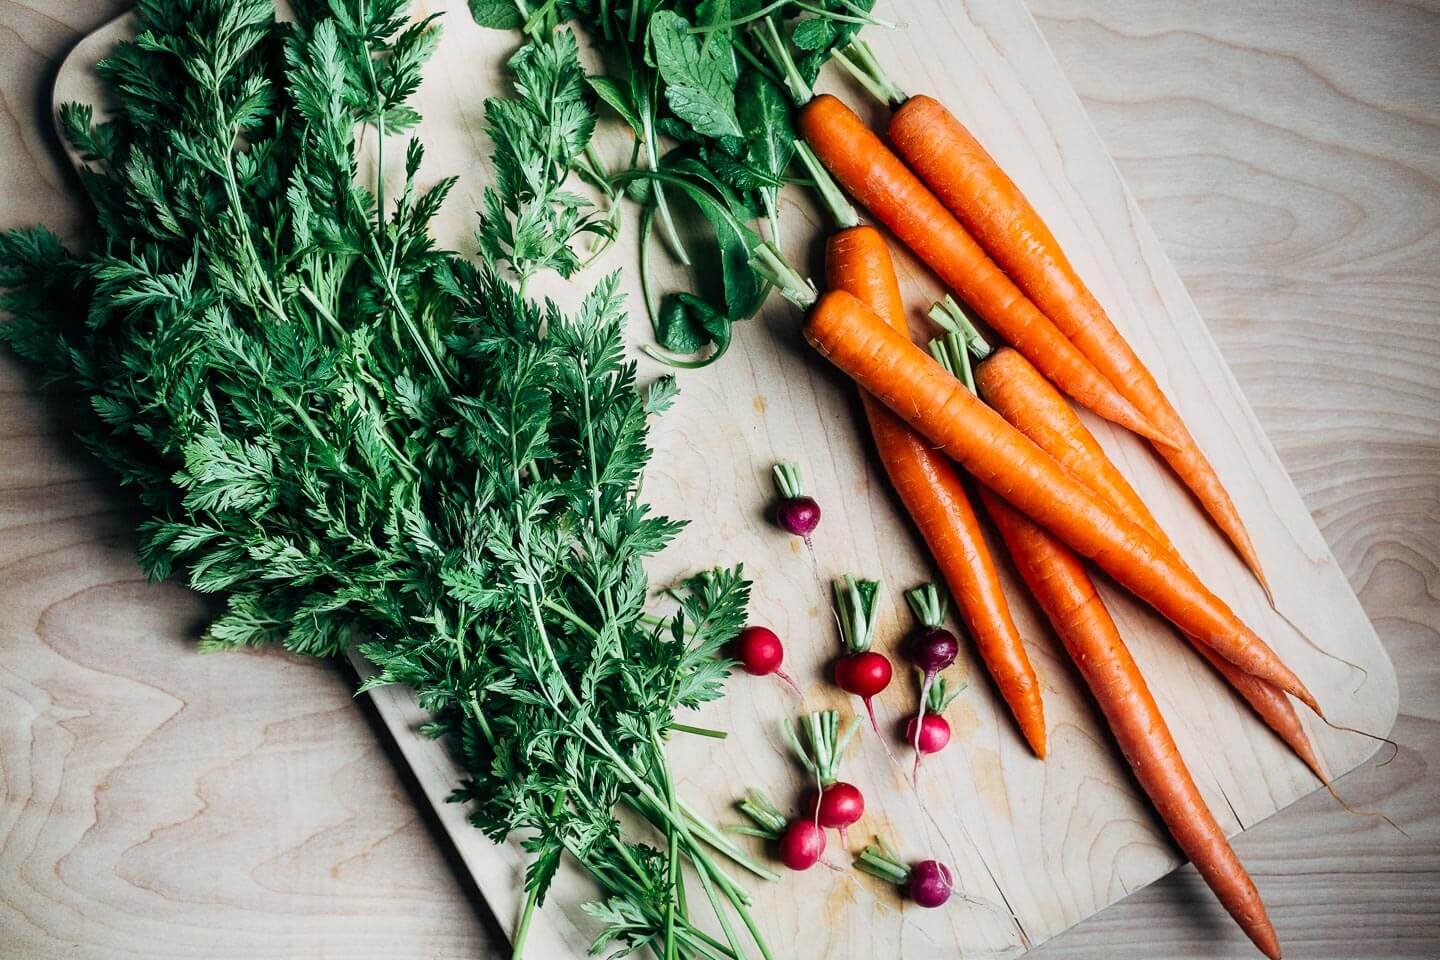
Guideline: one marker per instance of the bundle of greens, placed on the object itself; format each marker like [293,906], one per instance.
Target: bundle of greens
[356,438]
[713,80]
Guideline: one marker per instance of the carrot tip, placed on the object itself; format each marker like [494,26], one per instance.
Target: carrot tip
[1034,734]
[1154,434]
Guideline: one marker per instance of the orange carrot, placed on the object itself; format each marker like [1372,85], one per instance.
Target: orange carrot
[941,409]
[1009,384]
[974,188]
[1015,389]
[867,169]
[1064,591]
[1271,706]
[857,261]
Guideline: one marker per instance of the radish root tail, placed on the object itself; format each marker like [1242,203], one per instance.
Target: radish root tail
[790,681]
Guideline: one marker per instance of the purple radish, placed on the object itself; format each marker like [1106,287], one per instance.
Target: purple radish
[796,513]
[861,671]
[932,648]
[928,883]
[760,653]
[833,803]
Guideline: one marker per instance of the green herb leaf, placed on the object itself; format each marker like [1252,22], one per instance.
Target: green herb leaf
[609,91]
[497,14]
[359,440]
[814,34]
[735,241]
[699,77]
[687,324]
[530,220]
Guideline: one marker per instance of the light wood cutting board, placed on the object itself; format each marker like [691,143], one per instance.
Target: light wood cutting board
[1037,847]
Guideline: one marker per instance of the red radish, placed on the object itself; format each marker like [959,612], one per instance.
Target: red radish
[833,803]
[836,806]
[928,883]
[860,671]
[760,654]
[930,734]
[800,842]
[863,674]
[796,513]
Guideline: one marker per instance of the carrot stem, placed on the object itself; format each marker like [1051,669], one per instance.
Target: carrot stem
[950,351]
[858,17]
[825,185]
[868,63]
[774,46]
[699,731]
[953,318]
[859,75]
[764,11]
[772,266]
[759,65]
[667,223]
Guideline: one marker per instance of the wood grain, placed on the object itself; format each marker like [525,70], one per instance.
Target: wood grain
[63,677]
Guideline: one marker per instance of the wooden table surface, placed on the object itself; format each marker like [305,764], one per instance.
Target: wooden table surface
[1286,153]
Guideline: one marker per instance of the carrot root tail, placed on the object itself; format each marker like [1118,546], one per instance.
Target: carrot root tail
[1371,814]
[1394,747]
[1309,640]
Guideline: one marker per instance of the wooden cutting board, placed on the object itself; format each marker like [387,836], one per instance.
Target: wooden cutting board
[1037,846]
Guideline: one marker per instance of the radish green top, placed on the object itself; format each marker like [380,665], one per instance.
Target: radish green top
[824,743]
[856,603]
[928,604]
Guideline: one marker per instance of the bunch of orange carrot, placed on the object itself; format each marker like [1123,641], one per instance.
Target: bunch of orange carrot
[1043,480]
